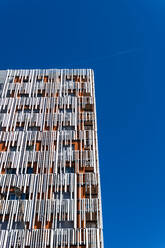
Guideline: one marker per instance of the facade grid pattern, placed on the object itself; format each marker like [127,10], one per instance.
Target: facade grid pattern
[49,169]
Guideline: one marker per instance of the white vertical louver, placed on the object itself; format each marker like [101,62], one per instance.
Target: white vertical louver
[49,172]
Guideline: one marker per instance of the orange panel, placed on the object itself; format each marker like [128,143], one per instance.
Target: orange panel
[38,146]
[37,225]
[45,79]
[48,225]
[2,146]
[77,145]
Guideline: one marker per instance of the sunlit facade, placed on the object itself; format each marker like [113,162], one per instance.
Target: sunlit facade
[49,169]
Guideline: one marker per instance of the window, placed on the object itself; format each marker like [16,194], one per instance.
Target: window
[39,94]
[13,148]
[2,128]
[3,225]
[71,93]
[24,95]
[33,128]
[27,110]
[8,93]
[10,171]
[88,127]
[30,170]
[18,225]
[88,123]
[91,224]
[4,110]
[39,79]
[69,169]
[13,196]
[63,195]
[26,79]
[69,110]
[22,171]
[66,195]
[36,110]
[68,127]
[89,107]
[19,110]
[19,128]
[29,147]
[23,196]
[65,224]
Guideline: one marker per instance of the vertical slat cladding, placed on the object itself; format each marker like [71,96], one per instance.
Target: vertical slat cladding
[49,169]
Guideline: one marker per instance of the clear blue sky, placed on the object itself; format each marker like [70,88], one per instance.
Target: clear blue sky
[124,42]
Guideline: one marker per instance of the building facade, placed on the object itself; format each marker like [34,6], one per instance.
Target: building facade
[49,169]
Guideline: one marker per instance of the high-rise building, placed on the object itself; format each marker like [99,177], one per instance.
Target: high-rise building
[49,169]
